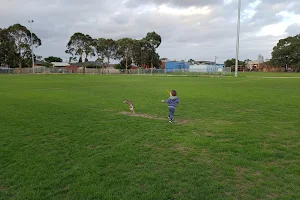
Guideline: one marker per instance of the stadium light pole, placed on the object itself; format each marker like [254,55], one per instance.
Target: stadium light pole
[238,39]
[31,22]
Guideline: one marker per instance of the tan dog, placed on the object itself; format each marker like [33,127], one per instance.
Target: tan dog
[130,105]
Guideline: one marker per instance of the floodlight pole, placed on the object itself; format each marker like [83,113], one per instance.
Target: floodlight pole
[238,40]
[31,22]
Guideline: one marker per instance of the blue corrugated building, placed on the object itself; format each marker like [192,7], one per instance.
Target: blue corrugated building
[176,66]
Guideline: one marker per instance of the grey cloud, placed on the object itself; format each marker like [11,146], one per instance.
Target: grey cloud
[295,7]
[293,29]
[196,36]
[179,3]
[267,11]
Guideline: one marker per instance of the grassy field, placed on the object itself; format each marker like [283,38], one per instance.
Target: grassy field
[70,137]
[268,74]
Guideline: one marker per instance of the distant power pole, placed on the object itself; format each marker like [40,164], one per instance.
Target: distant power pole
[216,64]
[31,22]
[238,39]
[215,61]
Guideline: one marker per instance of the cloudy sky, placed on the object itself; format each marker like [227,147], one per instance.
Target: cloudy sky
[197,29]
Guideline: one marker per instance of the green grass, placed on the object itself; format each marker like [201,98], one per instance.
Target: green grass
[268,74]
[64,137]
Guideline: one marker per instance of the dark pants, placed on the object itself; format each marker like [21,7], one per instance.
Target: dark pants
[171,114]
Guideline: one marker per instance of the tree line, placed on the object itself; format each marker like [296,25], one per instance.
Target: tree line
[285,54]
[16,40]
[15,46]
[129,51]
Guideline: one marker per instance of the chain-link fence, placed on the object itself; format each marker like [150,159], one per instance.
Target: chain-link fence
[110,71]
[5,70]
[181,72]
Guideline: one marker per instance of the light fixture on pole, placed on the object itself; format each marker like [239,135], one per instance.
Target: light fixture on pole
[31,22]
[238,39]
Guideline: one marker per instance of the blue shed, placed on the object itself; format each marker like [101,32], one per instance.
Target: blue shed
[176,66]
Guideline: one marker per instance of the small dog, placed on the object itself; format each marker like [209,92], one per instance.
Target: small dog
[130,105]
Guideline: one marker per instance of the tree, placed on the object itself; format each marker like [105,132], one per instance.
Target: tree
[230,63]
[138,54]
[247,61]
[53,59]
[124,65]
[156,61]
[111,49]
[81,45]
[191,61]
[145,56]
[72,59]
[106,48]
[125,50]
[22,38]
[101,48]
[154,41]
[89,48]
[287,52]
[8,54]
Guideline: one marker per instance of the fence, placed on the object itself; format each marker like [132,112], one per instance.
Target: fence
[139,72]
[6,70]
[181,72]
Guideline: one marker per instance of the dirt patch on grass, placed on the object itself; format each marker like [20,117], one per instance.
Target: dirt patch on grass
[195,133]
[141,115]
[3,188]
[222,122]
[245,110]
[240,171]
[180,121]
[184,150]
[108,110]
[225,140]
[273,196]
[180,193]
[274,135]
[257,173]
[154,147]
[65,188]
[146,116]
[55,136]
[206,133]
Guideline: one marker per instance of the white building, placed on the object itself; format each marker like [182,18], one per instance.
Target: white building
[60,64]
[206,68]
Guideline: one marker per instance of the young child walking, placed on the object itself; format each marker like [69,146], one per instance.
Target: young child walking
[172,103]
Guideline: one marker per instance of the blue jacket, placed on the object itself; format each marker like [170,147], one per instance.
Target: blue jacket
[172,101]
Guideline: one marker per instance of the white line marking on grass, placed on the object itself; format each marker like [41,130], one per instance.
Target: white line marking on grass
[279,77]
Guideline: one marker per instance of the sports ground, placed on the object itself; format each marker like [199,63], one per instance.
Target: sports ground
[72,137]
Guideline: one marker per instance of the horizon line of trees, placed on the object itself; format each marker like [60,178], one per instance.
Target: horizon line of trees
[287,53]
[129,51]
[16,41]
[15,46]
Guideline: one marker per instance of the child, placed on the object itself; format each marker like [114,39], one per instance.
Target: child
[172,103]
